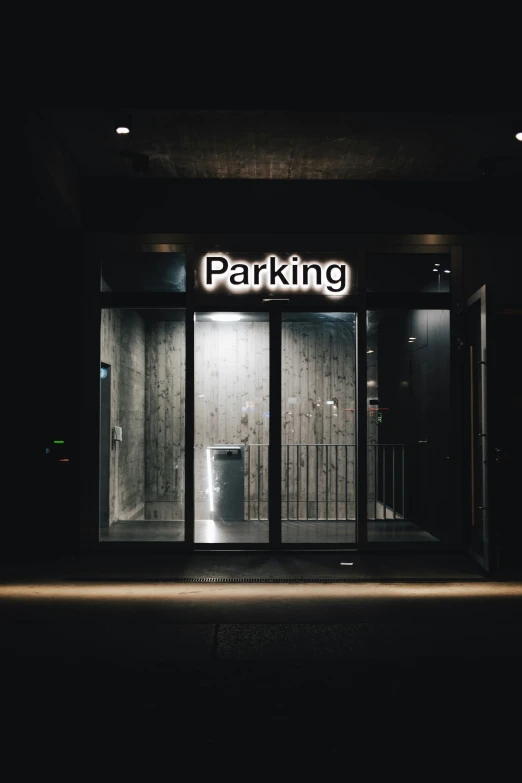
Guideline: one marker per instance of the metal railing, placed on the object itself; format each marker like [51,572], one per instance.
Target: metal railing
[386,481]
[318,481]
[256,478]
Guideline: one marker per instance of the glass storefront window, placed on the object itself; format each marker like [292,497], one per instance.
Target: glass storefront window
[231,431]
[409,272]
[135,272]
[142,425]
[318,428]
[408,410]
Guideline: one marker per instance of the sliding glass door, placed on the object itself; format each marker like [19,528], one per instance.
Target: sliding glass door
[231,427]
[318,428]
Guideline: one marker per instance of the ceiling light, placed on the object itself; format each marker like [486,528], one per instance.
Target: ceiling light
[436,264]
[225,317]
[370,351]
[518,136]
[412,338]
[122,123]
[435,270]
[446,271]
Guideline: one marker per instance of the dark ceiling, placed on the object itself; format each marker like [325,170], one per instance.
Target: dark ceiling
[290,145]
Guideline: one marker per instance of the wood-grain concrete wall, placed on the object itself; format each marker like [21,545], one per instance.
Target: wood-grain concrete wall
[123,348]
[232,405]
[165,421]
[318,413]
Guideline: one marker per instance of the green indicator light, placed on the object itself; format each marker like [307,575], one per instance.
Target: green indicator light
[58,441]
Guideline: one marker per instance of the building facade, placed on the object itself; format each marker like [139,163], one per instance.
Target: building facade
[281,391]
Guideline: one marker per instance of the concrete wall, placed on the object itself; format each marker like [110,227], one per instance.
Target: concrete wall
[318,366]
[123,348]
[232,397]
[165,421]
[232,400]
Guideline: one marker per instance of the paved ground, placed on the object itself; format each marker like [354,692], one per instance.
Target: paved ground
[233,676]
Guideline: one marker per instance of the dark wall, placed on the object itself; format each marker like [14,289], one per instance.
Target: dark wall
[505,414]
[208,206]
[48,299]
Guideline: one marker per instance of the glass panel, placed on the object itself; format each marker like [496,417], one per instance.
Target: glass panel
[142,443]
[231,427]
[144,272]
[408,380]
[428,272]
[318,436]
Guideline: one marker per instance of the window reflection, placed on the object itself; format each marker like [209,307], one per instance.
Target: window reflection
[408,424]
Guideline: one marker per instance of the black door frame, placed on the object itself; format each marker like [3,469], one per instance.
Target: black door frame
[478,367]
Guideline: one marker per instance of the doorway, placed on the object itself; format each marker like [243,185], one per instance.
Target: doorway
[277,401]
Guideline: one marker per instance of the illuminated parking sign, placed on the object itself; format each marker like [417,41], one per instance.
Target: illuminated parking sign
[273,274]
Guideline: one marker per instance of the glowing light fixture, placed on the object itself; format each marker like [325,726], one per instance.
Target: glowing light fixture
[225,317]
[436,264]
[370,351]
[446,271]
[58,441]
[435,270]
[518,136]
[122,124]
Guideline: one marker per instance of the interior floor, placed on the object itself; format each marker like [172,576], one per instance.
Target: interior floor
[256,532]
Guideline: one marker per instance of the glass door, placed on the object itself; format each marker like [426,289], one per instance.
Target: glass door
[318,428]
[408,425]
[231,427]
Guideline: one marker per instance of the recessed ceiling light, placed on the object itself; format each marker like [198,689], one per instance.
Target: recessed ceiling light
[225,317]
[435,270]
[436,264]
[122,123]
[518,136]
[446,271]
[370,351]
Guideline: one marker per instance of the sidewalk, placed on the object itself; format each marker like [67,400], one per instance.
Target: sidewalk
[257,665]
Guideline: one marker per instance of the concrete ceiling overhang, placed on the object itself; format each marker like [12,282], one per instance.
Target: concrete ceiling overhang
[290,145]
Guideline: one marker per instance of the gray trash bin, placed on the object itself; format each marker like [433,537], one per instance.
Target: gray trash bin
[227,468]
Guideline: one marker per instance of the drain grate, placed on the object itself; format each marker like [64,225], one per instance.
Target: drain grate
[279,580]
